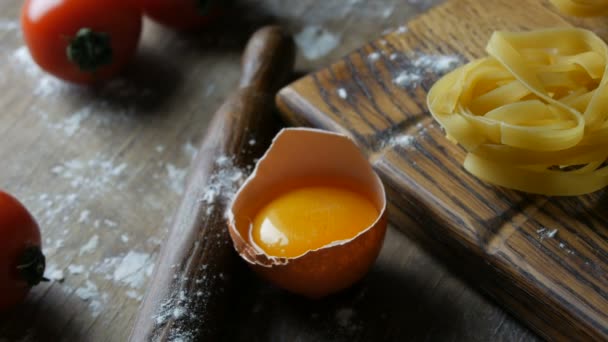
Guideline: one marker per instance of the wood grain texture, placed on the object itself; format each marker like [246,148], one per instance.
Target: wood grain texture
[196,267]
[556,283]
[110,163]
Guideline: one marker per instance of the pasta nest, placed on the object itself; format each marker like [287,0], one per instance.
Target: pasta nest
[532,115]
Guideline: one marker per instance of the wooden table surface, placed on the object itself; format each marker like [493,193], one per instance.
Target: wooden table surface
[102,171]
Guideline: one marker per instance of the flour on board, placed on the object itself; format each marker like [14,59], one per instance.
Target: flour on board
[412,68]
[342,93]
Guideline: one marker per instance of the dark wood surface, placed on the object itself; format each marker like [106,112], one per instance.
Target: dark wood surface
[545,259]
[199,234]
[109,165]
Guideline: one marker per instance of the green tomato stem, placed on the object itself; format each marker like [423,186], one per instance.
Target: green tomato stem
[90,50]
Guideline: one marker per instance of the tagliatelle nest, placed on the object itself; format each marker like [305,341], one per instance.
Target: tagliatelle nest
[533,115]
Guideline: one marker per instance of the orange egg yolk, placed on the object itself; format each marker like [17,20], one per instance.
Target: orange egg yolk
[309,218]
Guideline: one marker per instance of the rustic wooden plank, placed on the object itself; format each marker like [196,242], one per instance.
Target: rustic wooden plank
[554,282]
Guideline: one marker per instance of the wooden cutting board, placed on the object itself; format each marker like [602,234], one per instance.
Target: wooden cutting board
[545,259]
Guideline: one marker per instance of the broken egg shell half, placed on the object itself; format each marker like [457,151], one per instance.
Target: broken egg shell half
[303,153]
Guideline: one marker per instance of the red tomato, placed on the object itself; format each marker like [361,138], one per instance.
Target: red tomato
[81,41]
[182,14]
[21,260]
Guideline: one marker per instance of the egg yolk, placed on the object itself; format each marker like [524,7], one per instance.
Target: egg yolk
[309,218]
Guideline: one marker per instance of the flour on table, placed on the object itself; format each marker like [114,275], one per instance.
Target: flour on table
[316,41]
[90,293]
[110,223]
[9,25]
[90,246]
[124,238]
[176,178]
[133,269]
[84,216]
[94,176]
[45,85]
[190,150]
[54,273]
[342,93]
[76,269]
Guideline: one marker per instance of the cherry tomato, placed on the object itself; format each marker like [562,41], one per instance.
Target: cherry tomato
[182,14]
[21,260]
[81,41]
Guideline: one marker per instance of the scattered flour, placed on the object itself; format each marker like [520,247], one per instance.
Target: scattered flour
[110,223]
[9,25]
[45,86]
[403,140]
[133,269]
[94,176]
[176,178]
[401,29]
[545,233]
[316,42]
[374,56]
[71,125]
[53,272]
[90,246]
[406,79]
[416,66]
[84,216]
[76,269]
[90,293]
[223,183]
[134,295]
[124,238]
[159,148]
[342,93]
[190,150]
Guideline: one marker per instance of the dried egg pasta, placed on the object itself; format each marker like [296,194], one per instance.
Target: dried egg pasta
[533,115]
[582,8]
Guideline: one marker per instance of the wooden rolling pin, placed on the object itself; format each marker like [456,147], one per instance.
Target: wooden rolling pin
[188,295]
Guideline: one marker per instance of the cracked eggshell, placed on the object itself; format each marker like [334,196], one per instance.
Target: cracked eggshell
[301,153]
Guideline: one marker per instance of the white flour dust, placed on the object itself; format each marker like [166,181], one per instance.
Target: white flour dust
[316,41]
[133,269]
[545,233]
[415,67]
[90,246]
[45,85]
[176,178]
[223,183]
[95,176]
[9,25]
[342,93]
[90,293]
